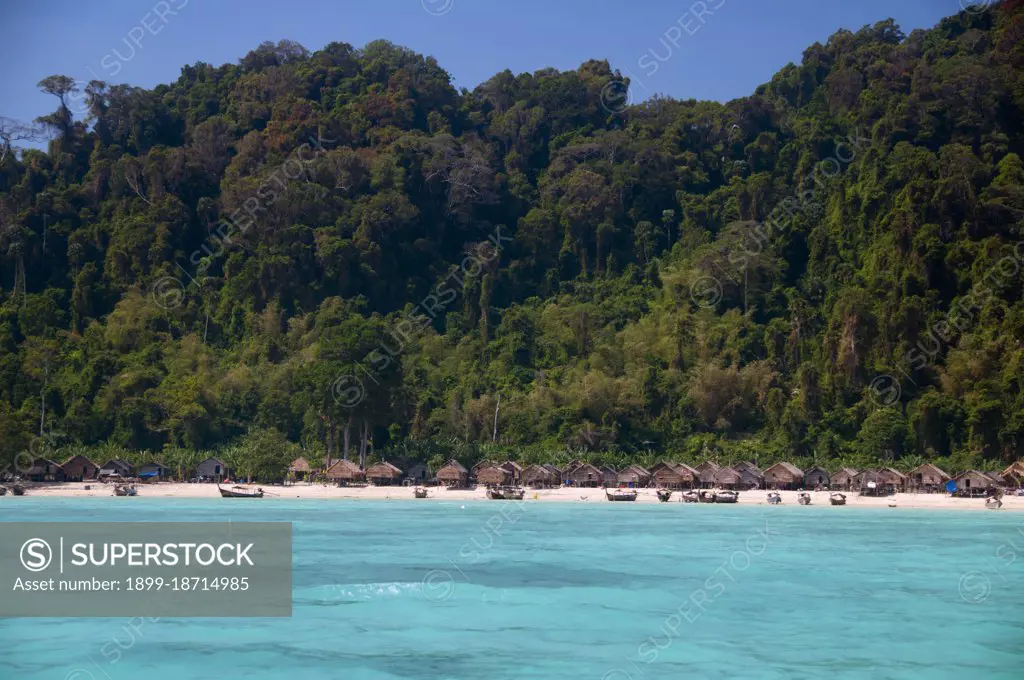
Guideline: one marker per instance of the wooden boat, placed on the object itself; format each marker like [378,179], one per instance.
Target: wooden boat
[18,490]
[837,499]
[240,492]
[505,493]
[664,495]
[804,499]
[419,492]
[993,503]
[125,490]
[691,497]
[774,497]
[706,496]
[726,496]
[620,494]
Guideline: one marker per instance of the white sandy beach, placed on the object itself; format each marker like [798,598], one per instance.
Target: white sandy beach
[564,495]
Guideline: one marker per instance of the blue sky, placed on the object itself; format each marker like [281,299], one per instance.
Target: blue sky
[725,53]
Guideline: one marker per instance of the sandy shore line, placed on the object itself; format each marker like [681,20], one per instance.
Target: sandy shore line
[564,495]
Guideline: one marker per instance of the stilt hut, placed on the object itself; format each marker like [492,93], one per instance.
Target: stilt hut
[894,479]
[300,469]
[585,475]
[706,473]
[1013,475]
[45,470]
[493,476]
[880,482]
[816,478]
[556,471]
[540,477]
[345,472]
[453,475]
[514,469]
[79,468]
[927,478]
[727,478]
[634,476]
[609,476]
[973,483]
[751,476]
[116,468]
[154,471]
[383,474]
[783,476]
[673,476]
[844,479]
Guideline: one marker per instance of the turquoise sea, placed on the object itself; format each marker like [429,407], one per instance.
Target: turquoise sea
[489,591]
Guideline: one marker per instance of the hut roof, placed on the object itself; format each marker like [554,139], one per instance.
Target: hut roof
[483,464]
[846,472]
[726,476]
[493,475]
[929,469]
[634,470]
[746,465]
[154,464]
[815,468]
[40,466]
[708,465]
[893,472]
[512,466]
[552,468]
[534,471]
[299,465]
[344,469]
[117,464]
[1014,470]
[215,461]
[976,474]
[383,470]
[79,458]
[686,470]
[585,468]
[785,470]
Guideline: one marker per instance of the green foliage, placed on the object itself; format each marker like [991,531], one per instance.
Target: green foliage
[338,249]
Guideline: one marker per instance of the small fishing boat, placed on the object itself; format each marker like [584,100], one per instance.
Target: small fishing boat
[706,496]
[726,496]
[837,499]
[505,493]
[664,495]
[514,493]
[993,503]
[620,494]
[774,498]
[419,492]
[239,492]
[18,490]
[691,497]
[804,499]
[125,490]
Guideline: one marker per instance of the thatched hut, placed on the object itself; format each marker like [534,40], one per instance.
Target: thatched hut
[673,476]
[1013,475]
[751,476]
[154,471]
[706,473]
[585,475]
[79,468]
[609,476]
[300,468]
[816,478]
[783,476]
[213,468]
[345,472]
[556,471]
[493,476]
[844,479]
[633,475]
[514,469]
[383,474]
[894,478]
[879,482]
[45,470]
[927,478]
[727,478]
[973,483]
[453,475]
[540,477]
[116,468]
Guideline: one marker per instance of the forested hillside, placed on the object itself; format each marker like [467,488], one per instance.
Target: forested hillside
[340,249]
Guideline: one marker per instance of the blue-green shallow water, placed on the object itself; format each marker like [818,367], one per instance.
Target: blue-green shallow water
[574,591]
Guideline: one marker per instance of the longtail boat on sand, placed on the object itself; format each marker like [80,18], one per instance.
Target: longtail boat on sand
[240,492]
[691,497]
[804,498]
[620,494]
[725,496]
[664,495]
[837,499]
[774,497]
[420,492]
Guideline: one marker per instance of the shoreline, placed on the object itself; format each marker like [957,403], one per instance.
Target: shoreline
[302,491]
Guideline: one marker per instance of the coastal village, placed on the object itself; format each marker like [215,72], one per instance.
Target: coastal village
[706,482]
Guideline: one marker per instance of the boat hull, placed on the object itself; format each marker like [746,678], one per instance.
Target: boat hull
[228,493]
[621,497]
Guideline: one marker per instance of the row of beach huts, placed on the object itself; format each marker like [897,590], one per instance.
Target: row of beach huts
[668,475]
[578,473]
